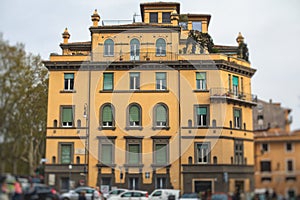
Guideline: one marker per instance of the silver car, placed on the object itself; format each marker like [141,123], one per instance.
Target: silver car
[74,194]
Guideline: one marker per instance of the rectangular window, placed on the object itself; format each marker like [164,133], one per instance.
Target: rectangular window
[166,17]
[265,166]
[67,116]
[153,17]
[69,81]
[288,146]
[235,85]
[134,154]
[183,25]
[265,147]
[161,83]
[161,154]
[237,115]
[66,153]
[239,152]
[290,166]
[108,81]
[201,80]
[202,155]
[107,154]
[134,80]
[202,115]
[197,26]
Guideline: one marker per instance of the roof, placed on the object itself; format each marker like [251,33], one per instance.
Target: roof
[191,15]
[160,3]
[77,46]
[226,49]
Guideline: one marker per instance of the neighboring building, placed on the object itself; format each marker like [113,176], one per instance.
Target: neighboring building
[277,162]
[152,111]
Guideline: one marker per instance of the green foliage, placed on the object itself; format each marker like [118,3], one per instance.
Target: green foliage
[243,51]
[203,39]
[23,109]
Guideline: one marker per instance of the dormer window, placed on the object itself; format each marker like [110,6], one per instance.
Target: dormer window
[153,17]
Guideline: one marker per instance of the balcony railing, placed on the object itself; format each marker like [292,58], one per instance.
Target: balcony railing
[227,94]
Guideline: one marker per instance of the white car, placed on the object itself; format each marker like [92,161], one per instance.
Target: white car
[131,195]
[114,193]
[74,194]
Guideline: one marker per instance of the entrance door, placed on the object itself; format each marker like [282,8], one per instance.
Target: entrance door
[133,183]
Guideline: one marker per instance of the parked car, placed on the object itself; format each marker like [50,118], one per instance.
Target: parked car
[163,194]
[74,194]
[190,196]
[114,193]
[130,195]
[220,196]
[39,191]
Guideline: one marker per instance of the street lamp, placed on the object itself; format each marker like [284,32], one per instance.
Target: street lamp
[86,116]
[70,169]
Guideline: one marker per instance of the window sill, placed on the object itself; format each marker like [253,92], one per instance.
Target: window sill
[133,91]
[161,128]
[108,55]
[67,91]
[155,165]
[100,128]
[158,55]
[133,165]
[106,165]
[67,127]
[134,128]
[201,91]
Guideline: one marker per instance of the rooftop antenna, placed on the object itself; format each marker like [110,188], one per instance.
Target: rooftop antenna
[135,15]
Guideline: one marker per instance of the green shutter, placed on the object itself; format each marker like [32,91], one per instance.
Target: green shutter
[65,154]
[134,74]
[201,110]
[161,153]
[108,81]
[161,114]
[134,150]
[106,154]
[201,76]
[236,113]
[134,114]
[67,115]
[161,76]
[69,76]
[235,80]
[107,114]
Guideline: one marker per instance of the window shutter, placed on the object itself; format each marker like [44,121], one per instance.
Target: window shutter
[107,114]
[236,113]
[160,76]
[69,76]
[106,154]
[108,81]
[201,111]
[161,114]
[134,114]
[200,75]
[235,80]
[67,115]
[161,153]
[134,153]
[65,154]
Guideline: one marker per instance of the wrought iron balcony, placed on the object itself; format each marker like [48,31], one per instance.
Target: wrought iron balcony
[231,96]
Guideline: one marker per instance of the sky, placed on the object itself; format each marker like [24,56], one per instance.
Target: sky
[271,29]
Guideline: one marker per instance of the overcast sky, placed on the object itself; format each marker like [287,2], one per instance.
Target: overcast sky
[271,29]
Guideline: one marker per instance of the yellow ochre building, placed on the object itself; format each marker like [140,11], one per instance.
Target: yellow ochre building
[146,105]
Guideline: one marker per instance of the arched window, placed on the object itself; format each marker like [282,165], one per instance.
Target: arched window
[134,49]
[109,47]
[55,123]
[53,159]
[190,160]
[77,160]
[107,115]
[161,115]
[215,159]
[78,123]
[134,114]
[160,47]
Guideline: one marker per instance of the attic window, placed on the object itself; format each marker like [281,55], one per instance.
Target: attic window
[166,17]
[154,17]
[197,26]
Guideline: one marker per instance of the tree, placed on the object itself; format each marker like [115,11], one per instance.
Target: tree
[198,38]
[23,108]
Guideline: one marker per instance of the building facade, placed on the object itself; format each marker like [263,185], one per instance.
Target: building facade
[277,162]
[141,106]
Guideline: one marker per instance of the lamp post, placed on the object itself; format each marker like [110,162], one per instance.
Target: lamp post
[86,116]
[70,169]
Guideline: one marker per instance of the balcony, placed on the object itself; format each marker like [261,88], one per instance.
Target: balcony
[226,95]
